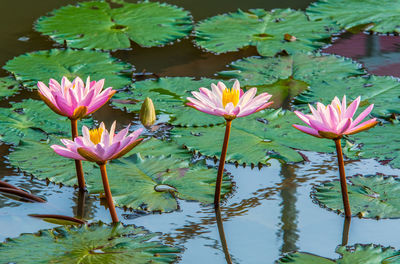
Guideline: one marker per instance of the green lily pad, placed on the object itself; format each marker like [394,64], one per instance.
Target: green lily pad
[32,119]
[382,91]
[152,183]
[56,63]
[370,196]
[357,254]
[96,243]
[169,97]
[381,17]
[381,143]
[8,87]
[95,25]
[270,31]
[254,139]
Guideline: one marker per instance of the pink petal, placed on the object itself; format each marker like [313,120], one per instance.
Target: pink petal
[303,117]
[66,153]
[363,115]
[307,130]
[351,110]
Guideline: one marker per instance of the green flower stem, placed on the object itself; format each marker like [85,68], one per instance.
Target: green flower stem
[343,184]
[78,163]
[222,235]
[217,196]
[107,191]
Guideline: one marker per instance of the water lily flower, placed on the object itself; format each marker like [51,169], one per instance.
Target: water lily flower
[230,104]
[332,122]
[75,100]
[100,145]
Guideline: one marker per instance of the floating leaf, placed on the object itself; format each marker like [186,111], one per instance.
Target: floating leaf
[58,219]
[370,197]
[169,96]
[267,30]
[254,139]
[382,16]
[96,243]
[8,87]
[357,254]
[95,25]
[381,143]
[32,119]
[43,65]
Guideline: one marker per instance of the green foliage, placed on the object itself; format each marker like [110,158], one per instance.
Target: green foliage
[56,63]
[270,31]
[370,197]
[8,87]
[94,25]
[380,17]
[254,139]
[96,243]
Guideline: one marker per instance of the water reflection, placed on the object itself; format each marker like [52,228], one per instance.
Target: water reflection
[222,235]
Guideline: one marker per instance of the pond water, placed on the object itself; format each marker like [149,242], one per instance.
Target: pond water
[269,212]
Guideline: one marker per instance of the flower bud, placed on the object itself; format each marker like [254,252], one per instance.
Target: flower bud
[147,113]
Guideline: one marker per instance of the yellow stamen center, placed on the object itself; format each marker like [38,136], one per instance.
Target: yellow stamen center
[230,96]
[95,135]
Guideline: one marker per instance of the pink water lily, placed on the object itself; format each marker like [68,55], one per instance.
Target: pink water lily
[75,100]
[335,120]
[99,145]
[228,103]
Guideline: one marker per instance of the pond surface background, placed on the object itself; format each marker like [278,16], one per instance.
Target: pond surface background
[270,211]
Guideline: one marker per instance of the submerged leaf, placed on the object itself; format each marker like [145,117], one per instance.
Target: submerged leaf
[96,25]
[267,30]
[96,243]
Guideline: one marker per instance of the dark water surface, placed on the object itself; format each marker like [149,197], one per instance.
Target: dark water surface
[270,211]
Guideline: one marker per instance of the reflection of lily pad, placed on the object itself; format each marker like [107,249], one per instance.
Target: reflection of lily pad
[8,87]
[358,254]
[97,243]
[382,16]
[370,196]
[32,119]
[135,182]
[169,96]
[254,139]
[43,65]
[270,31]
[96,25]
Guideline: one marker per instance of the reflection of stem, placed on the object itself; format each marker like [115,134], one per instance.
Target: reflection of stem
[222,235]
[346,228]
[78,163]
[107,191]
[218,184]
[343,184]
[80,212]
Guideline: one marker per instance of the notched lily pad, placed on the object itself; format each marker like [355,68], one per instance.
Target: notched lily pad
[95,25]
[254,139]
[8,87]
[373,196]
[379,17]
[270,31]
[95,243]
[56,63]
[357,254]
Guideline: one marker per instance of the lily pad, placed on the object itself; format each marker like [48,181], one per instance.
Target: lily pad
[381,143]
[169,97]
[136,182]
[32,119]
[8,87]
[95,25]
[382,17]
[56,63]
[270,31]
[373,196]
[96,243]
[254,139]
[357,254]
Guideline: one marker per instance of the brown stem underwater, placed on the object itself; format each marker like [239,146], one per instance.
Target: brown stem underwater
[78,163]
[343,184]
[107,191]
[218,184]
